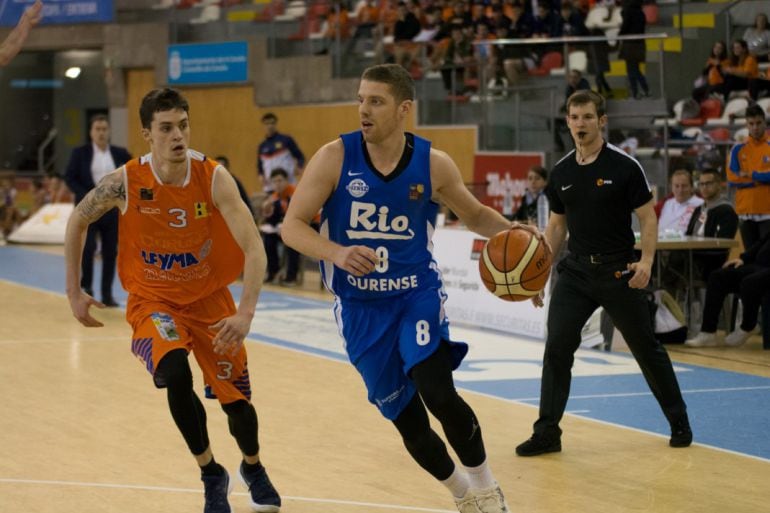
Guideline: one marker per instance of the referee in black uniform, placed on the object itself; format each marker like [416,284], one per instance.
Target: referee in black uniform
[592,193]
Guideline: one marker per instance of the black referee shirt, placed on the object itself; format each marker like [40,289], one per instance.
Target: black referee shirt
[598,199]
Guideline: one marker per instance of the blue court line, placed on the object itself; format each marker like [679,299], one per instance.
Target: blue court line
[728,410]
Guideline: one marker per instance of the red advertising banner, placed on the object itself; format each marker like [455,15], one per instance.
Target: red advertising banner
[500,179]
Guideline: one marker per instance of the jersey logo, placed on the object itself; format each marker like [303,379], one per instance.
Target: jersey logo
[357,188]
[201,210]
[145,194]
[375,223]
[167,261]
[165,325]
[416,191]
[565,187]
[351,173]
[601,181]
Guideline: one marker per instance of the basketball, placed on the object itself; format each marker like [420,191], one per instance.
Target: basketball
[515,265]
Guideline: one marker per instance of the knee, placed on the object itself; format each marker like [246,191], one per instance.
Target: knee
[750,289]
[174,371]
[440,401]
[241,409]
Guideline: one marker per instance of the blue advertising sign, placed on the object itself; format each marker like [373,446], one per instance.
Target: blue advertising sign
[208,63]
[59,11]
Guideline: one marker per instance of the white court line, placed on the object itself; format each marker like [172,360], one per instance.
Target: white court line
[198,491]
[58,340]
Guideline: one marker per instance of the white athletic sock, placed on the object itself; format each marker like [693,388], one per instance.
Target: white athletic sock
[481,477]
[457,483]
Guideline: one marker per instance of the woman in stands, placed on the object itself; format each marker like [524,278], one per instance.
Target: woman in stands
[741,68]
[758,38]
[712,73]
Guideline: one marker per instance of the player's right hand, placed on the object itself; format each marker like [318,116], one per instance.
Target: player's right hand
[80,304]
[537,299]
[357,260]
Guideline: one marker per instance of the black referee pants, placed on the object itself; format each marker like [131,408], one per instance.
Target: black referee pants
[581,288]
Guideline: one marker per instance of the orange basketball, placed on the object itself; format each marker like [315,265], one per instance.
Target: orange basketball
[515,265]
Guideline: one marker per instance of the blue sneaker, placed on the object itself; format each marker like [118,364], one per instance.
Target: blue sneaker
[216,489]
[263,497]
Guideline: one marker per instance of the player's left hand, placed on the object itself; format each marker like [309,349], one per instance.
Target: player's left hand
[641,277]
[230,333]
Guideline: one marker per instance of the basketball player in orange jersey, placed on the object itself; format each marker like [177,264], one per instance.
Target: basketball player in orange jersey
[379,188]
[185,235]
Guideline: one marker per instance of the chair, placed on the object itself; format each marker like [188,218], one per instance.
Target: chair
[549,61]
[719,134]
[765,104]
[677,109]
[577,59]
[709,108]
[734,108]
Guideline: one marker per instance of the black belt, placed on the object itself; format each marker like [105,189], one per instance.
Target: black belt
[603,258]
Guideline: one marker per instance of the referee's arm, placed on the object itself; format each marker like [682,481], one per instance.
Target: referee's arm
[649,239]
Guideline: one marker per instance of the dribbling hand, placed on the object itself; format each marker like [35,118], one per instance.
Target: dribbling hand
[534,231]
[230,333]
[537,299]
[80,305]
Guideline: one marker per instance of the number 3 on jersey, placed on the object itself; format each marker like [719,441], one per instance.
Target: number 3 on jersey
[423,332]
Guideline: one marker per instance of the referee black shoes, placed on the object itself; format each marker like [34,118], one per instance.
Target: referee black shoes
[539,444]
[681,434]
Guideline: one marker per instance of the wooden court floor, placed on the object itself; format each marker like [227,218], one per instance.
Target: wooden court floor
[84,430]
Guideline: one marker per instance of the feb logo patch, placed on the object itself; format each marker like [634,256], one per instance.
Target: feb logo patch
[416,191]
[145,194]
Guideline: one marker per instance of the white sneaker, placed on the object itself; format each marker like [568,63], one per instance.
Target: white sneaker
[737,337]
[468,503]
[491,500]
[703,339]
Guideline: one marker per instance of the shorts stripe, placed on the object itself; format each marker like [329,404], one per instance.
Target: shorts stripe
[142,348]
[243,384]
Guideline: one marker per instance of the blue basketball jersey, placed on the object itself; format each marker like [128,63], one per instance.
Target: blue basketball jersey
[392,214]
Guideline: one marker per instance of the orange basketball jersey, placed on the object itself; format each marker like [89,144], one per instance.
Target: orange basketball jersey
[174,244]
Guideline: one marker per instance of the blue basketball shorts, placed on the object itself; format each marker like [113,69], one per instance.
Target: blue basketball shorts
[386,338]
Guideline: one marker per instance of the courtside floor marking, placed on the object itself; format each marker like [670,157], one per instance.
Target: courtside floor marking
[81,484]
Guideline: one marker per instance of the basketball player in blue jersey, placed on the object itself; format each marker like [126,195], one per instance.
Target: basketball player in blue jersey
[379,188]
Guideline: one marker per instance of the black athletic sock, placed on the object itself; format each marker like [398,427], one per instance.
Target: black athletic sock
[212,468]
[248,468]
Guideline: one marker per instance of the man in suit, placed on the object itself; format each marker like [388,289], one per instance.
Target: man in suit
[87,166]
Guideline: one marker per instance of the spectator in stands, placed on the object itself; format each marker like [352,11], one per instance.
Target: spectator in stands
[758,38]
[570,22]
[603,20]
[677,210]
[546,21]
[748,171]
[759,87]
[273,212]
[406,28]
[716,217]
[634,52]
[457,59]
[8,212]
[748,276]
[367,17]
[537,179]
[87,165]
[741,68]
[278,150]
[13,42]
[337,25]
[711,76]
[225,162]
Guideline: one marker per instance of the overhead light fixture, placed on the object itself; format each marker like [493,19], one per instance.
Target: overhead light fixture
[72,72]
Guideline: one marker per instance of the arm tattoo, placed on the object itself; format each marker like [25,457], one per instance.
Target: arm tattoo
[109,193]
